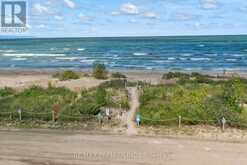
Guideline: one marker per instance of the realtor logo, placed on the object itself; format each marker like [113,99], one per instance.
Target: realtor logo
[13,14]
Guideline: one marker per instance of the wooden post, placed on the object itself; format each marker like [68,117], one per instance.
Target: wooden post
[53,116]
[179,121]
[10,116]
[223,121]
[19,112]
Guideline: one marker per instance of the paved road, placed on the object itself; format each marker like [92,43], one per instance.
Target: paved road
[55,148]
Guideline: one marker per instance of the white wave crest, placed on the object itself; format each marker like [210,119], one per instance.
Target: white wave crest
[186,54]
[231,59]
[87,61]
[68,58]
[32,55]
[200,59]
[8,51]
[81,49]
[19,59]
[238,55]
[139,54]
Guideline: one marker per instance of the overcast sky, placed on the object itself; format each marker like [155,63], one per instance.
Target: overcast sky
[85,18]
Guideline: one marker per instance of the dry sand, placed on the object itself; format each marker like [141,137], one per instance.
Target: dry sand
[67,148]
[26,78]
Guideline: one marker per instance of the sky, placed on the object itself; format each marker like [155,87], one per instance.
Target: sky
[105,18]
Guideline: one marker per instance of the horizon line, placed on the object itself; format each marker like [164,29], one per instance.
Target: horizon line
[60,37]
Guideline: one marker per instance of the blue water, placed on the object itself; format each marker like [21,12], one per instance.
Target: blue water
[139,53]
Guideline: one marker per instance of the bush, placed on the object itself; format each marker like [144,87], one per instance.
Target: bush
[6,92]
[99,71]
[118,75]
[196,103]
[101,96]
[173,75]
[37,100]
[66,75]
[117,84]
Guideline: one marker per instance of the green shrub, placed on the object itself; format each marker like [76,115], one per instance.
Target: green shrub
[173,75]
[6,92]
[101,96]
[66,75]
[36,101]
[197,103]
[117,84]
[99,71]
[118,75]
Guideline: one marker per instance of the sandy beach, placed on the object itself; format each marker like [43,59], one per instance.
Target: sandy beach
[20,79]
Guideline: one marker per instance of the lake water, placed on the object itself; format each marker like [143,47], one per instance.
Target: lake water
[140,53]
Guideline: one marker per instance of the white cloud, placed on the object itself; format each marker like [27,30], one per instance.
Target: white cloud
[150,15]
[38,8]
[42,26]
[133,21]
[92,29]
[70,3]
[83,17]
[57,17]
[198,24]
[115,13]
[184,16]
[129,8]
[209,4]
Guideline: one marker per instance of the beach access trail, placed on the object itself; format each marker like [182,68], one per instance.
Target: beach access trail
[134,105]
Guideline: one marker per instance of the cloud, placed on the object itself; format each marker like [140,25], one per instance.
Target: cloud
[150,15]
[133,21]
[114,13]
[182,16]
[129,8]
[70,3]
[59,18]
[209,4]
[40,9]
[84,18]
[42,26]
[92,29]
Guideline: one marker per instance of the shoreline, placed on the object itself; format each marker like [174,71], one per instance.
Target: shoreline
[8,71]
[23,78]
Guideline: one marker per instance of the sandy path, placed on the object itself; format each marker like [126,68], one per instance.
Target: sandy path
[134,104]
[63,148]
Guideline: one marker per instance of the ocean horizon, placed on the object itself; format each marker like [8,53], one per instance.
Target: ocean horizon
[185,53]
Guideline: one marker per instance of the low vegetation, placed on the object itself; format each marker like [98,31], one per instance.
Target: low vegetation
[193,77]
[99,71]
[118,75]
[6,92]
[66,75]
[39,103]
[198,102]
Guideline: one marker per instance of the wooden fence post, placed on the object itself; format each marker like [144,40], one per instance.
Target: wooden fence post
[19,112]
[223,121]
[53,116]
[179,121]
